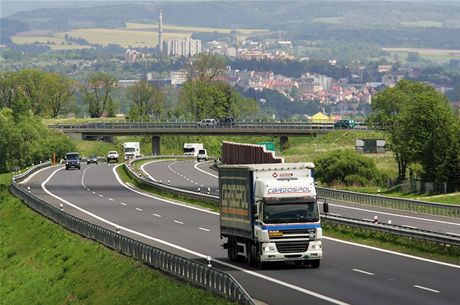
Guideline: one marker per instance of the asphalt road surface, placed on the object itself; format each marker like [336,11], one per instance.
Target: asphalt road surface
[349,274]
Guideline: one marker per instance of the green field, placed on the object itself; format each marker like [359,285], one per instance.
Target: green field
[42,263]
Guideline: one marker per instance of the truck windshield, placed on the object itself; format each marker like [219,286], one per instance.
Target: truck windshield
[129,149]
[286,212]
[189,150]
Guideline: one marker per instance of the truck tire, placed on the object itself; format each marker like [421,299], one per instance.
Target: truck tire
[315,264]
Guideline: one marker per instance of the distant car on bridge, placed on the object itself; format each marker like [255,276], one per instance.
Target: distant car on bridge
[207,123]
[345,124]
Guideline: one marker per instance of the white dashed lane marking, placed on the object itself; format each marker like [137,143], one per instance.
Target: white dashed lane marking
[362,271]
[427,289]
[159,216]
[122,203]
[179,222]
[139,209]
[204,229]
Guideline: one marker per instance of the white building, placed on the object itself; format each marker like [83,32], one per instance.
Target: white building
[187,47]
[178,77]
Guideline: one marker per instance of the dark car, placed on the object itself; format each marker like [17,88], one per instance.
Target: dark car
[72,159]
[227,122]
[345,124]
[91,159]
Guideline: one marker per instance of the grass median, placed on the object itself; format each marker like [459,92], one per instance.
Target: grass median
[42,263]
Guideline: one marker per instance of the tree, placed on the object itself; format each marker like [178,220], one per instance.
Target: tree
[146,101]
[204,99]
[422,128]
[205,67]
[96,92]
[60,94]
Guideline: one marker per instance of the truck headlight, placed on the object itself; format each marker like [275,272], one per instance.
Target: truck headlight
[266,248]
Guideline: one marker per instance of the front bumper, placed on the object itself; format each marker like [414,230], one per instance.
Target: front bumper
[270,253]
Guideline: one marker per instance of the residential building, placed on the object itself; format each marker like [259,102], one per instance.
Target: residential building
[186,47]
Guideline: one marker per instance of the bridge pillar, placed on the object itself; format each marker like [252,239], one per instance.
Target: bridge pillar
[155,145]
[284,142]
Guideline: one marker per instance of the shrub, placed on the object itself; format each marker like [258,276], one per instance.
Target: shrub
[346,167]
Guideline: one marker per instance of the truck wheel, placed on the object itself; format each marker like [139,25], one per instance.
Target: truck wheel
[315,264]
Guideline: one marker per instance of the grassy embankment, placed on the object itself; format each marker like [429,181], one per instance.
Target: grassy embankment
[42,263]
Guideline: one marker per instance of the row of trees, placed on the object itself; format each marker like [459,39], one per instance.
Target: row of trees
[51,95]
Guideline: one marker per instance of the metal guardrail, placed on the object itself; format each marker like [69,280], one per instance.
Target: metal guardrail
[418,234]
[392,202]
[31,170]
[194,272]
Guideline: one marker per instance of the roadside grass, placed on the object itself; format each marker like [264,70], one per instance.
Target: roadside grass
[42,263]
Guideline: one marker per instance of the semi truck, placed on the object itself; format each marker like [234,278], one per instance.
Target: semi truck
[192,149]
[269,213]
[131,150]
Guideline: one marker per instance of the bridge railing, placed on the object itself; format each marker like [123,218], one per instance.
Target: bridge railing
[175,125]
[192,271]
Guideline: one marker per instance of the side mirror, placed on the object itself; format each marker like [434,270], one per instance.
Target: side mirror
[325,207]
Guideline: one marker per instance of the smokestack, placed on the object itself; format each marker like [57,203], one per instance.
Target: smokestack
[160,32]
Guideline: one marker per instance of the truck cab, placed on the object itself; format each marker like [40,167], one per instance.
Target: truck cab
[269,213]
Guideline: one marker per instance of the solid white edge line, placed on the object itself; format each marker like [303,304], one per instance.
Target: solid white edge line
[362,271]
[35,173]
[396,215]
[114,225]
[156,197]
[196,166]
[393,252]
[427,289]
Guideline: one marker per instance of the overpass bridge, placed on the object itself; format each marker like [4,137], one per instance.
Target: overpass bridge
[156,129]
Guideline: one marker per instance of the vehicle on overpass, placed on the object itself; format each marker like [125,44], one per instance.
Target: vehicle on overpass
[269,213]
[192,149]
[345,124]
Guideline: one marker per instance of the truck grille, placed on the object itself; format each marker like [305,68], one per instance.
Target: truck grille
[292,246]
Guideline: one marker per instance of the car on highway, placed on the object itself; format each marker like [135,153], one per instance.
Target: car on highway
[207,123]
[202,155]
[228,121]
[91,159]
[345,124]
[72,160]
[112,156]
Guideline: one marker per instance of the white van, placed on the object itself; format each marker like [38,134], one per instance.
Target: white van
[202,155]
[207,123]
[191,149]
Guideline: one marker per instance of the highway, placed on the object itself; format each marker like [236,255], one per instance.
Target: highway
[192,175]
[349,274]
